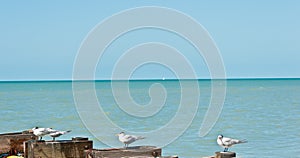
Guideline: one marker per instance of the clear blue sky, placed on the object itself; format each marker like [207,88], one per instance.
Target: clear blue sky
[40,39]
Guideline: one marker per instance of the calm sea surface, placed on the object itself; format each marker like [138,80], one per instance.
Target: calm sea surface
[265,112]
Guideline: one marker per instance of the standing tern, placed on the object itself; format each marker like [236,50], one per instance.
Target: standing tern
[228,142]
[128,139]
[40,132]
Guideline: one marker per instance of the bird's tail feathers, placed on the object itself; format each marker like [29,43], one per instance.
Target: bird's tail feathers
[243,141]
[140,137]
[68,131]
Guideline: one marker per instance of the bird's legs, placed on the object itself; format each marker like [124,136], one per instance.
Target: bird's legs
[53,139]
[125,146]
[225,149]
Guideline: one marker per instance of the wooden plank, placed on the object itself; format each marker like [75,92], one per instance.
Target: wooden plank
[136,151]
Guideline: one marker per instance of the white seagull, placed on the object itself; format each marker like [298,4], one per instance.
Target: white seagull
[128,139]
[58,133]
[40,132]
[228,142]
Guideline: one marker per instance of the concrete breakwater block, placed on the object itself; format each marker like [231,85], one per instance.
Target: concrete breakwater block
[57,149]
[136,151]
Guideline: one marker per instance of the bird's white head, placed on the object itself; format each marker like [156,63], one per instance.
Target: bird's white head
[120,134]
[220,136]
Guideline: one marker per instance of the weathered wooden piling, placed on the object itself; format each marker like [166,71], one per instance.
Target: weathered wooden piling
[137,151]
[225,154]
[12,143]
[27,143]
[57,149]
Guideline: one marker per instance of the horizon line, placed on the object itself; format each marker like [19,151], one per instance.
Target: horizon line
[152,79]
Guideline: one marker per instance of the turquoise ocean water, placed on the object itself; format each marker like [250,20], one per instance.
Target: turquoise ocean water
[266,112]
